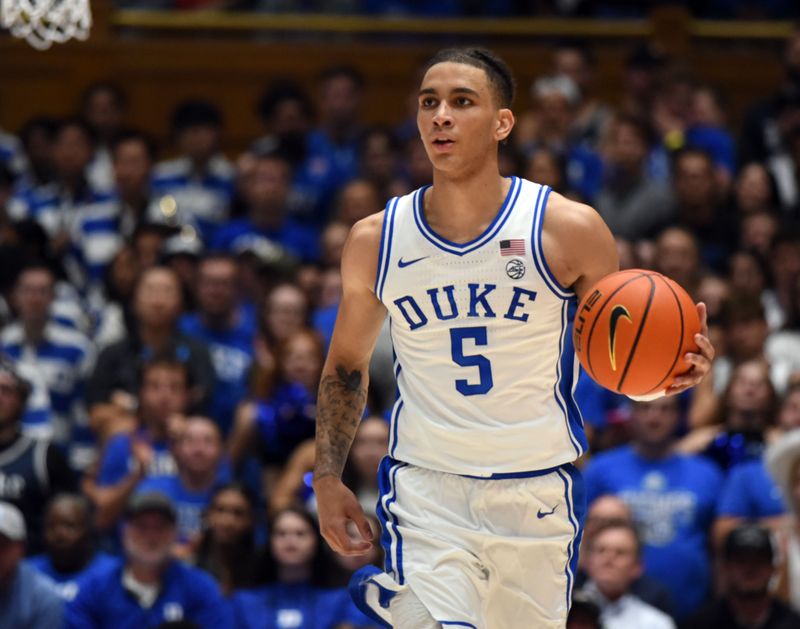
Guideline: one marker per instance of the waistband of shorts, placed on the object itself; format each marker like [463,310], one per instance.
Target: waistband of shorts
[503,475]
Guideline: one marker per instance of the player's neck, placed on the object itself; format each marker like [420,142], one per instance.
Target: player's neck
[459,209]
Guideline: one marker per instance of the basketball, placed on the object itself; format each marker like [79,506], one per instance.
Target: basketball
[632,330]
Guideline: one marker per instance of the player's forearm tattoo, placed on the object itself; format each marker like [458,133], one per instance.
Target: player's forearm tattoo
[339,408]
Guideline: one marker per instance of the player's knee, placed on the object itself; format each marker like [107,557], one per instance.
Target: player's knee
[408,612]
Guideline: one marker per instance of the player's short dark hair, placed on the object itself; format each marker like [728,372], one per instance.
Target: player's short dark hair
[195,113]
[500,76]
[135,135]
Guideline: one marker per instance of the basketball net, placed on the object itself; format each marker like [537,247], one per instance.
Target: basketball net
[42,22]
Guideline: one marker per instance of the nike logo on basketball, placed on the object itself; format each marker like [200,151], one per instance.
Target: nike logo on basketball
[402,264]
[616,312]
[543,514]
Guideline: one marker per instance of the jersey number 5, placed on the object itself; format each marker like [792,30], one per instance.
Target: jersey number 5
[478,335]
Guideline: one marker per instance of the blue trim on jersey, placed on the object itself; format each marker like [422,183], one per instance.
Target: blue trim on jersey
[456,623]
[391,211]
[575,497]
[384,229]
[538,253]
[358,586]
[563,385]
[398,406]
[567,381]
[461,249]
[387,475]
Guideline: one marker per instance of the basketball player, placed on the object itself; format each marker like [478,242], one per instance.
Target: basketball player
[481,506]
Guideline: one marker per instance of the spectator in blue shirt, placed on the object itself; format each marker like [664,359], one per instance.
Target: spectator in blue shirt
[147,587]
[266,196]
[69,548]
[222,321]
[197,187]
[128,458]
[198,457]
[672,497]
[333,147]
[27,598]
[277,423]
[749,494]
[296,569]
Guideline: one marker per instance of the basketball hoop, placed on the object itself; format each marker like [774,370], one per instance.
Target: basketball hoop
[42,22]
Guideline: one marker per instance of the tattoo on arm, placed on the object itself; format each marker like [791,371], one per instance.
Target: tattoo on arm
[339,409]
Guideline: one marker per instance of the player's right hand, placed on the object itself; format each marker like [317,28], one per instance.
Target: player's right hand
[336,506]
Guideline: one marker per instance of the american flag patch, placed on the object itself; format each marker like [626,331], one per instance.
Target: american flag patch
[513,247]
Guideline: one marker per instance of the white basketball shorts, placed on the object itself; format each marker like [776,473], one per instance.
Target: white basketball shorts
[498,553]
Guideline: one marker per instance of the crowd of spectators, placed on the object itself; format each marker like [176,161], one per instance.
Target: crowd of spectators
[164,325]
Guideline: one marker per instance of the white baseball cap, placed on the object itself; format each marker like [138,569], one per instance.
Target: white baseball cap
[12,524]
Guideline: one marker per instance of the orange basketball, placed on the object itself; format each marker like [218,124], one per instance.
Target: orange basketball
[632,330]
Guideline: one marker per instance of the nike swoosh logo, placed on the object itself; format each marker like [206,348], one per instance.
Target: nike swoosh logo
[402,264]
[617,312]
[543,514]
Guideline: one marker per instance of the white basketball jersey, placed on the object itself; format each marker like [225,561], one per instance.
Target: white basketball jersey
[482,333]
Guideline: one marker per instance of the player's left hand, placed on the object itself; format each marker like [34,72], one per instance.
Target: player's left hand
[701,363]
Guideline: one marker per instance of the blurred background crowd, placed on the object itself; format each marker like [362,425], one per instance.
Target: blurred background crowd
[165,314]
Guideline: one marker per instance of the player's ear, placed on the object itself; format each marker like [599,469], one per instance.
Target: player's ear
[505,122]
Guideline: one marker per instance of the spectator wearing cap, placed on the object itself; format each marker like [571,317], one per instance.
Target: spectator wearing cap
[613,564]
[672,497]
[62,355]
[31,470]
[632,204]
[197,187]
[147,586]
[27,598]
[182,253]
[549,125]
[101,228]
[157,305]
[228,327]
[69,554]
[266,196]
[747,564]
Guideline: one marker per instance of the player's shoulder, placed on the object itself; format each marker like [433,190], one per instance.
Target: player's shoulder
[569,218]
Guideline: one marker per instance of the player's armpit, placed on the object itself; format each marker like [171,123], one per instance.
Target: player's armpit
[577,244]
